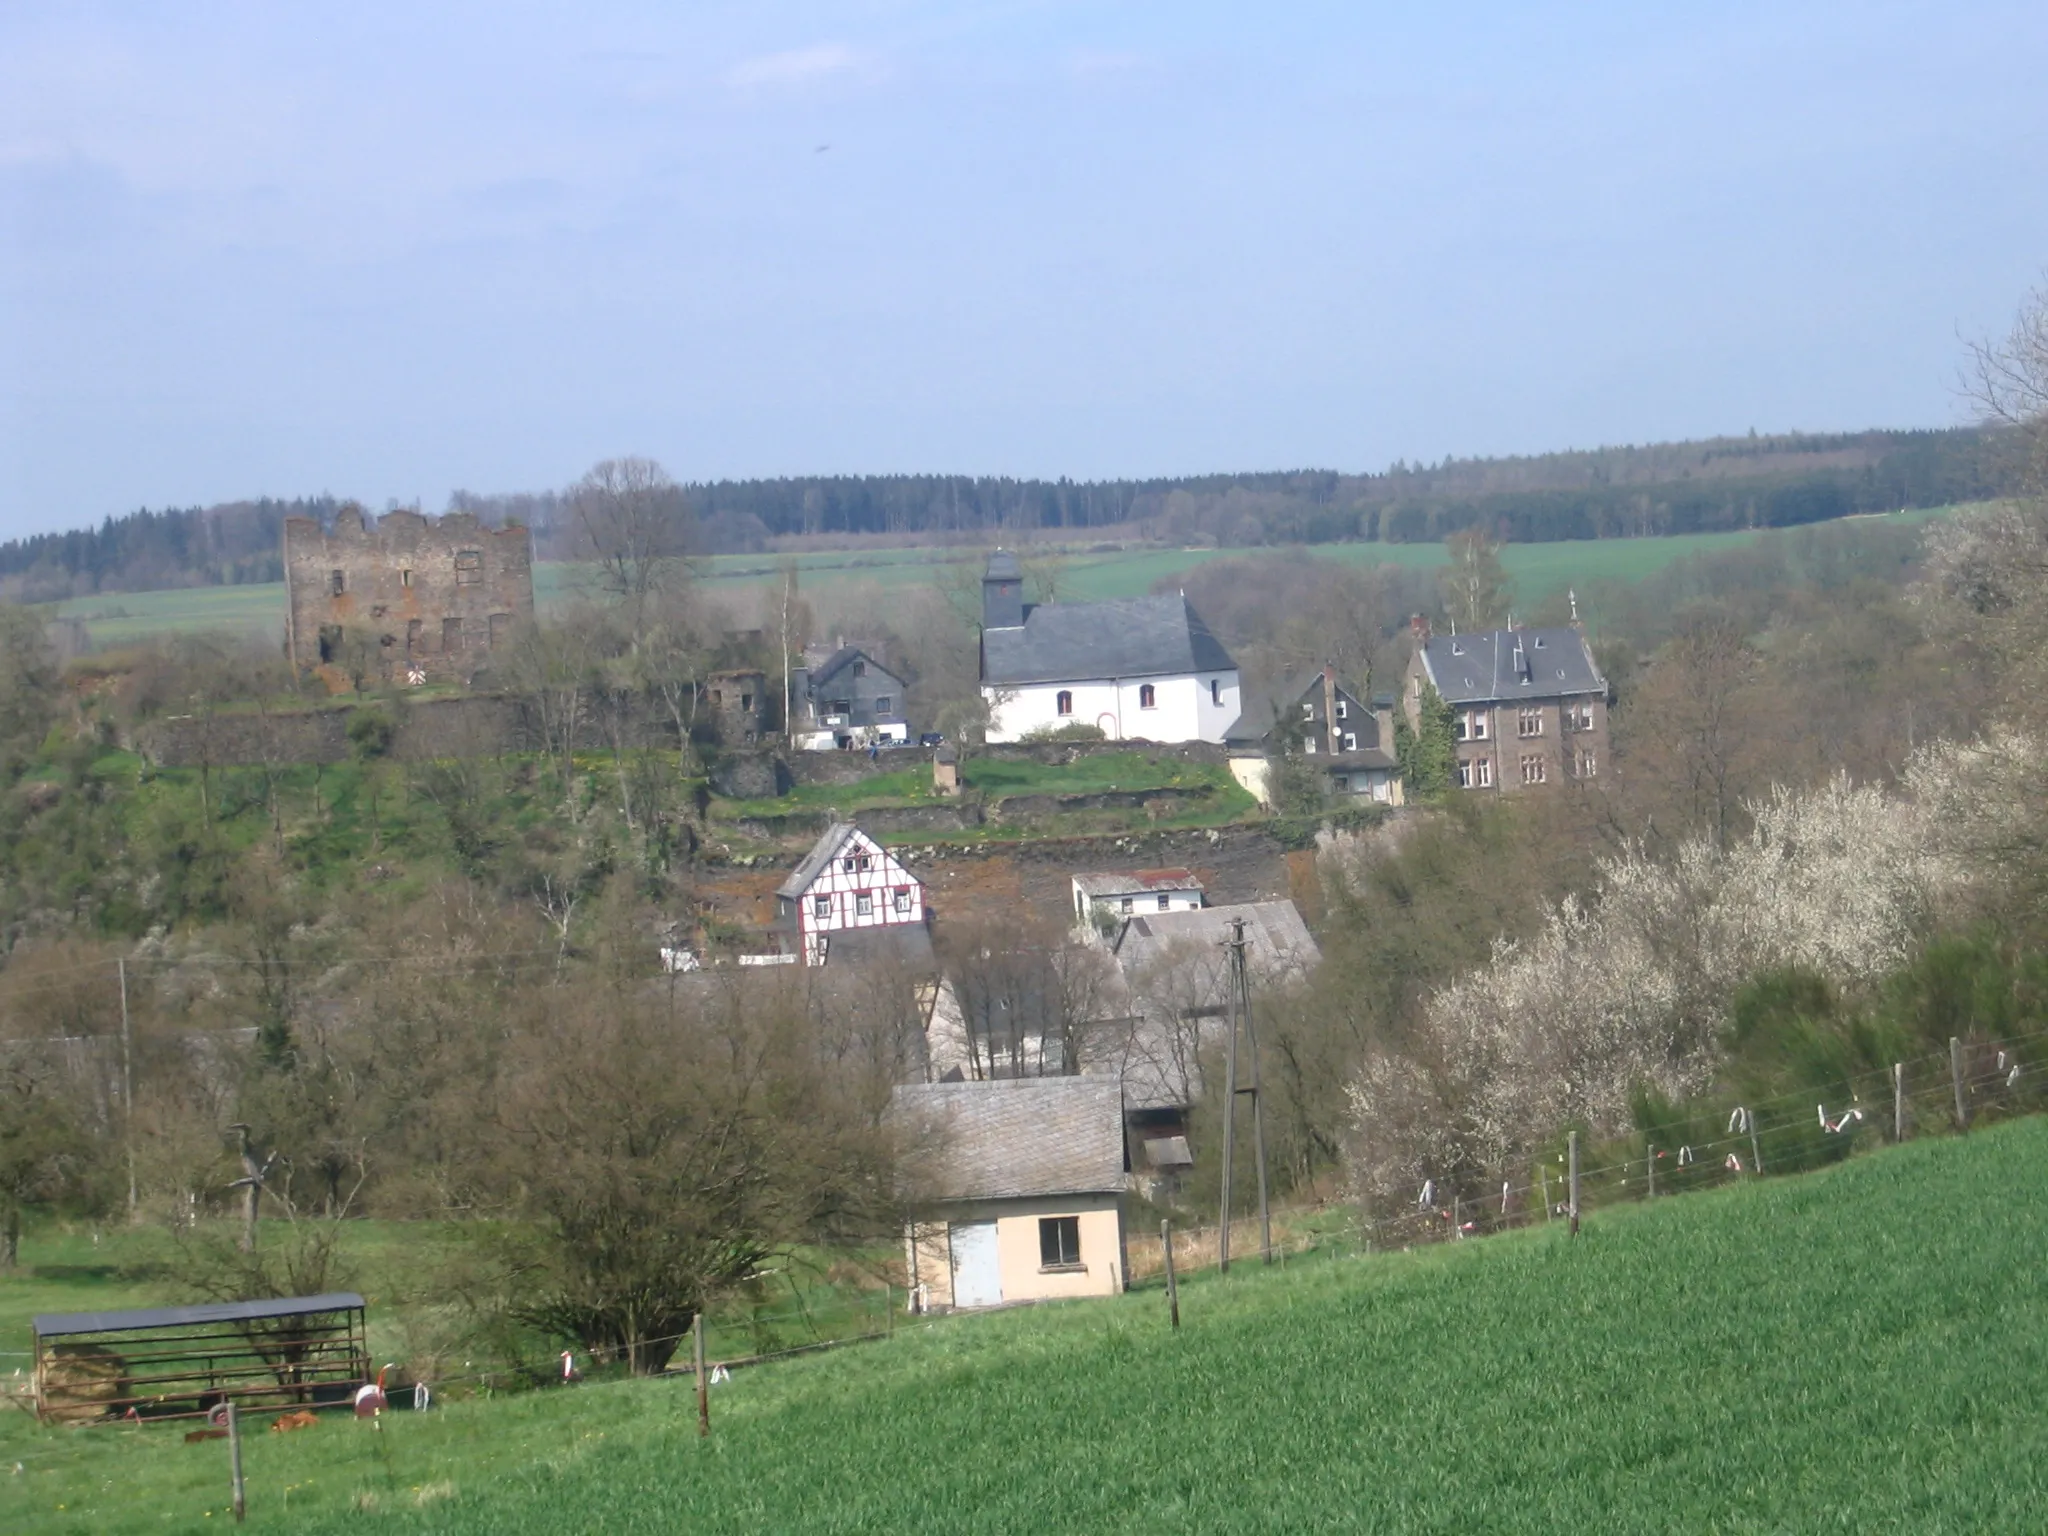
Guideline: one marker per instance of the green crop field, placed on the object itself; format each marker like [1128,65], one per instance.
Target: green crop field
[1540,571]
[1860,1348]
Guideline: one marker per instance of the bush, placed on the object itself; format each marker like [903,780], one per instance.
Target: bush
[1073,730]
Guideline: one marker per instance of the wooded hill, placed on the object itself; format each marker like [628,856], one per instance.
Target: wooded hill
[1694,487]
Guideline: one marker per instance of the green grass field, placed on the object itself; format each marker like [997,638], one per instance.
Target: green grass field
[1540,571]
[1860,1348]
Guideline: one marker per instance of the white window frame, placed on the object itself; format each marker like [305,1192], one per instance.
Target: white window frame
[863,903]
[821,906]
[1351,741]
[1482,772]
[1534,771]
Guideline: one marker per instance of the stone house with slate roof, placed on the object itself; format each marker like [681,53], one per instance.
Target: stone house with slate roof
[1528,706]
[1139,669]
[848,884]
[1352,744]
[1019,1190]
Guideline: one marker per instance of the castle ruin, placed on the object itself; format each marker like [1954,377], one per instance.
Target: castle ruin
[403,598]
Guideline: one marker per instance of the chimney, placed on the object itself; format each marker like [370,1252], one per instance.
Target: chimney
[1330,707]
[1418,626]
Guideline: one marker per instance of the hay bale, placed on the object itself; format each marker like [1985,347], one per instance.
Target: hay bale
[81,1382]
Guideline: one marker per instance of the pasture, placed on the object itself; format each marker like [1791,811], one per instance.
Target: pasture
[1540,572]
[1855,1348]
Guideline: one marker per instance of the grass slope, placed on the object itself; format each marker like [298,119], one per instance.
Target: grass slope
[1857,1348]
[1540,571]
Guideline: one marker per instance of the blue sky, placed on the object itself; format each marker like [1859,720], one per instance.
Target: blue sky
[389,250]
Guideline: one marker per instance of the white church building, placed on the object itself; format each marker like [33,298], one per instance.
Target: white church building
[1139,668]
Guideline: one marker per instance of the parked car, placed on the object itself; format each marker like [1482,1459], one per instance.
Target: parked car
[932,739]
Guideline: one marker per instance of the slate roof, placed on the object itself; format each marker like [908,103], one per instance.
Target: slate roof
[1074,642]
[1017,1138]
[1280,941]
[1482,668]
[846,654]
[1003,566]
[905,944]
[1255,723]
[815,861]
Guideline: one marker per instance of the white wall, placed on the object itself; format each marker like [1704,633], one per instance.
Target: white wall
[1182,710]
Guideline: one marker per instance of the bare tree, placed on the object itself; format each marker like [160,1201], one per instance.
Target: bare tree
[1475,585]
[635,526]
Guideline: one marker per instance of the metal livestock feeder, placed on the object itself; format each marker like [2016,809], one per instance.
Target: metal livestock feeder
[182,1362]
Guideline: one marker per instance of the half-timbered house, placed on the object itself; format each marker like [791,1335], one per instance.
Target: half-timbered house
[847,883]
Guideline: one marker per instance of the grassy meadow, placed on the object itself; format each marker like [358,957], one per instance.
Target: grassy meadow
[1540,572]
[1856,1348]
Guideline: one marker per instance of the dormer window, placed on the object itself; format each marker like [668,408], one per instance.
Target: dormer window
[1215,690]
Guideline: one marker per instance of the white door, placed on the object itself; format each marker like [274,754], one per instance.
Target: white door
[977,1277]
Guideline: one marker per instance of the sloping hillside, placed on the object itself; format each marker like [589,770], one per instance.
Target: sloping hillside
[1861,1347]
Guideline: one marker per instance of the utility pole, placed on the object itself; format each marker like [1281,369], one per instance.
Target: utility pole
[127,1083]
[1241,1014]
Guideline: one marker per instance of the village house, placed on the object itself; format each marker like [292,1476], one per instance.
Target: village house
[1137,669]
[402,598]
[848,700]
[1104,900]
[1528,706]
[847,886]
[1019,1196]
[1352,746]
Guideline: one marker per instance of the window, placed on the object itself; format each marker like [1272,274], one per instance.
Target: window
[1308,711]
[337,582]
[1064,702]
[1059,1242]
[1125,904]
[821,906]
[863,904]
[1343,710]
[1148,696]
[1163,900]
[1481,726]
[1215,690]
[1464,773]
[1470,725]
[860,669]
[1340,783]
[1482,773]
[413,643]
[883,703]
[1529,722]
[903,898]
[451,635]
[717,696]
[469,567]
[1351,741]
[1308,745]
[746,701]
[405,579]
[1589,766]
[1532,768]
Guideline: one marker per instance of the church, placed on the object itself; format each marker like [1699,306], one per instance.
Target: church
[1137,669]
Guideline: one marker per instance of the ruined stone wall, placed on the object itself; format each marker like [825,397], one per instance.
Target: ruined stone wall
[480,726]
[437,595]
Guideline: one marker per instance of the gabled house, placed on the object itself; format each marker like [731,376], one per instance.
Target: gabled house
[1528,706]
[1138,669]
[1174,976]
[1107,899]
[1316,715]
[1019,1187]
[848,884]
[848,700]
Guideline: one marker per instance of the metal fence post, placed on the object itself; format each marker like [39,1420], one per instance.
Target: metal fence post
[235,1459]
[1955,1072]
[1172,1285]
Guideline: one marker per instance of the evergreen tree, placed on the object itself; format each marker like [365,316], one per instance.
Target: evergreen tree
[1426,751]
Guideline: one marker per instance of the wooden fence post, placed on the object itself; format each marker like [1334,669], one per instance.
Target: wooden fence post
[1955,1072]
[1543,1178]
[1650,1166]
[703,1382]
[1898,1101]
[1172,1285]
[235,1460]
[1574,1196]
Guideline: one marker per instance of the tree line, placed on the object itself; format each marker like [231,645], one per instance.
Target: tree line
[1695,487]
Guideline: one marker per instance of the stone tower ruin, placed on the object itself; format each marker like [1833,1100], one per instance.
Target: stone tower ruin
[403,597]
